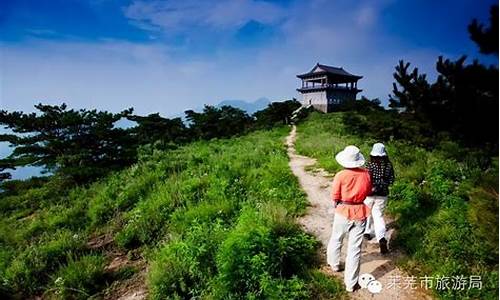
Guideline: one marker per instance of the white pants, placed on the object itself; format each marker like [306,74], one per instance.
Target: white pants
[376,220]
[355,229]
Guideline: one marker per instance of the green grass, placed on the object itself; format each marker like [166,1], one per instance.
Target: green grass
[444,201]
[78,278]
[214,220]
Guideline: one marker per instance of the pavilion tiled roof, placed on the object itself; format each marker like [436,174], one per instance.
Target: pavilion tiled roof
[330,70]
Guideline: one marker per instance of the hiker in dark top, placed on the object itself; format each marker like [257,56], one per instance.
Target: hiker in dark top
[382,176]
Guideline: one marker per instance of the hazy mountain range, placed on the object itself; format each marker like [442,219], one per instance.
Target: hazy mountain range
[249,107]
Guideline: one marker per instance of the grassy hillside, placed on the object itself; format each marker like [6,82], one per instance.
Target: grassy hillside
[445,203]
[210,219]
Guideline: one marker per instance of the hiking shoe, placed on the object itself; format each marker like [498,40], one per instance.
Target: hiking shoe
[338,268]
[367,236]
[383,246]
[354,288]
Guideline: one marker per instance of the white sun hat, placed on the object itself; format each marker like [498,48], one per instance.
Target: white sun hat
[350,157]
[378,150]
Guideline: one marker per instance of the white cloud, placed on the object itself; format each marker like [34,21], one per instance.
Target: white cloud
[230,13]
[116,75]
[107,75]
[156,77]
[183,15]
[366,16]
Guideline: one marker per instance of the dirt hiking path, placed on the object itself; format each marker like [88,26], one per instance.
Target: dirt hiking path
[318,221]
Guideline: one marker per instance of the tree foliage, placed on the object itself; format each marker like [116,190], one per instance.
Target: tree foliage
[153,127]
[462,101]
[80,144]
[486,38]
[362,105]
[276,113]
[216,122]
[5,164]
[83,145]
[464,98]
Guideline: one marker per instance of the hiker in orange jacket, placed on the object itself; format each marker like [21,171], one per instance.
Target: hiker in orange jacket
[349,189]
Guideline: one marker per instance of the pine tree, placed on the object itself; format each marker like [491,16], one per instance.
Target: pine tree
[486,38]
[81,145]
[464,98]
[153,127]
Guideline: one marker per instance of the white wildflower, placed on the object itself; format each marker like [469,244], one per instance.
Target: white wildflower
[59,281]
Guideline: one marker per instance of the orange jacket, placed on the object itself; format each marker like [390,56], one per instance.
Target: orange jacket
[352,185]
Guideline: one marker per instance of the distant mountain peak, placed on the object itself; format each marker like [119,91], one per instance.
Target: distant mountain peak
[249,107]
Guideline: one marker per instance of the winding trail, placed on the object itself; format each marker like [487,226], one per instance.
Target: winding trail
[318,221]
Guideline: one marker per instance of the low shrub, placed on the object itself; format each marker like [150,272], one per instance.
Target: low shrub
[323,287]
[78,278]
[31,269]
[260,251]
[120,192]
[184,267]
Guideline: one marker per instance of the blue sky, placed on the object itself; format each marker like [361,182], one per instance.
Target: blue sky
[168,56]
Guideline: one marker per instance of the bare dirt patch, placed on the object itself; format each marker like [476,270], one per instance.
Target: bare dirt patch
[131,288]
